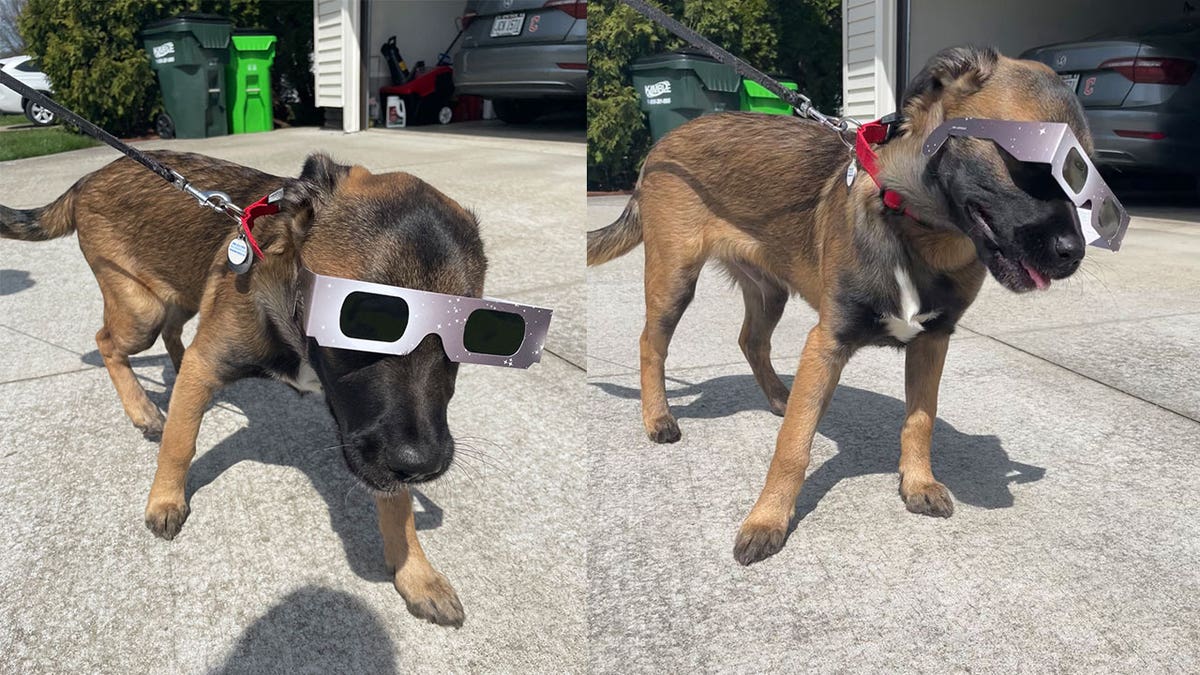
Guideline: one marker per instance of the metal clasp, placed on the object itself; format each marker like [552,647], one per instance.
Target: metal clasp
[214,199]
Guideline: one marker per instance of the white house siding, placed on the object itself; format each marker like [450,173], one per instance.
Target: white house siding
[868,58]
[328,17]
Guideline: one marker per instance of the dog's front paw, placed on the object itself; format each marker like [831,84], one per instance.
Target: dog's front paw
[930,499]
[759,541]
[778,404]
[149,421]
[165,516]
[664,430]
[430,597]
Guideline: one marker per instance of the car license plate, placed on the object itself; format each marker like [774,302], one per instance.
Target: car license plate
[1070,79]
[508,24]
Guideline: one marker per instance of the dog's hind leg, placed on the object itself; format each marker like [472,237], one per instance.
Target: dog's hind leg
[670,286]
[765,300]
[133,317]
[172,333]
[426,592]
[765,529]
[923,361]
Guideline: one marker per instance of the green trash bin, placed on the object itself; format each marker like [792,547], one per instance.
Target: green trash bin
[757,98]
[674,88]
[189,52]
[248,81]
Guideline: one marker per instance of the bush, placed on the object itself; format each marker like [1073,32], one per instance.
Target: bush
[91,51]
[798,39]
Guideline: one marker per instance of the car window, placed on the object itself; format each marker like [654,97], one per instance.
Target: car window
[30,66]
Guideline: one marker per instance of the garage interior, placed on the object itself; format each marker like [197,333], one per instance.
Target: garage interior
[887,42]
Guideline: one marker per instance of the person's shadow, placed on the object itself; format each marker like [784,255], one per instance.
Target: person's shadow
[286,428]
[15,281]
[314,630]
[865,426]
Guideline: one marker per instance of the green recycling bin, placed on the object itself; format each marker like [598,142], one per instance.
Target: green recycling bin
[674,88]
[248,81]
[189,52]
[757,98]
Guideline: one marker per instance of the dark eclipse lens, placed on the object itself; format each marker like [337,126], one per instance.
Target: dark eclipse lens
[380,318]
[1075,170]
[494,333]
[1110,218]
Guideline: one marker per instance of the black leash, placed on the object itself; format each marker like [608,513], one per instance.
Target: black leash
[800,102]
[213,199]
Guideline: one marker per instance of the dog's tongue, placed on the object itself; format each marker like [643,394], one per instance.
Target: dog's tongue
[1040,281]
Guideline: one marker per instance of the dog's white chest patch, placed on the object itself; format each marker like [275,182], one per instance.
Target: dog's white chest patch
[306,379]
[906,326]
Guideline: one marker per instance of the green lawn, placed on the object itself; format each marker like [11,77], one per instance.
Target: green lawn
[9,120]
[35,142]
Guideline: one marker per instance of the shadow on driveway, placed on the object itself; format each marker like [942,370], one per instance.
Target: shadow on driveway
[865,426]
[286,429]
[15,281]
[314,630]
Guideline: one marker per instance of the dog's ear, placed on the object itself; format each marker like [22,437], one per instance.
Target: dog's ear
[317,182]
[959,70]
[314,189]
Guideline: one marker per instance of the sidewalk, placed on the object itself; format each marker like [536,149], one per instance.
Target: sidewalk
[280,565]
[1067,432]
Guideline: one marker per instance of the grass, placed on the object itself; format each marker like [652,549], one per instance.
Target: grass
[9,120]
[36,142]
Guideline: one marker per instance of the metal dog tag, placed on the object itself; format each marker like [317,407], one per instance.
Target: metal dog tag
[851,172]
[240,255]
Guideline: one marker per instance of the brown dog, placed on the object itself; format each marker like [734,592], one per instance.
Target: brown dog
[160,259]
[767,197]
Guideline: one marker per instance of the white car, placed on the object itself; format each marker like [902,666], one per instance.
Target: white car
[26,69]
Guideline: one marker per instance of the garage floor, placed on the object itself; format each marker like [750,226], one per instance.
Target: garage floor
[280,567]
[1068,431]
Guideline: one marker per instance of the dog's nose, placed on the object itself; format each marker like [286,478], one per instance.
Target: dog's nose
[1068,250]
[415,463]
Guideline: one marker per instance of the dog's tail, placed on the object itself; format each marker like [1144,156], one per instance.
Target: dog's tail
[56,219]
[618,238]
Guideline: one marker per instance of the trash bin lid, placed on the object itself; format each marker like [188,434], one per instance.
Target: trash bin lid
[210,30]
[715,75]
[756,90]
[259,41]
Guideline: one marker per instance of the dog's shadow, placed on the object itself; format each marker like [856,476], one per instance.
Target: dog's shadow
[865,426]
[15,281]
[315,630]
[288,429]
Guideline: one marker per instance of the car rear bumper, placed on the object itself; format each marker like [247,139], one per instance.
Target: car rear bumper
[1177,151]
[522,71]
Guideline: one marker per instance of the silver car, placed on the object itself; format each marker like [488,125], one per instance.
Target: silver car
[1140,91]
[525,55]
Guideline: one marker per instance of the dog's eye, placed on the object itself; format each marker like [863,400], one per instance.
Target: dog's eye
[1033,178]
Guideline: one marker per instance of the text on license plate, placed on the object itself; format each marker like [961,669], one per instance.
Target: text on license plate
[1070,79]
[508,24]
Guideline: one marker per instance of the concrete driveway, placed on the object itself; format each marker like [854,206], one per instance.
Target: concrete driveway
[280,568]
[1068,433]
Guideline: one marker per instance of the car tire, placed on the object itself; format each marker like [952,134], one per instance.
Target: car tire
[164,126]
[517,111]
[39,116]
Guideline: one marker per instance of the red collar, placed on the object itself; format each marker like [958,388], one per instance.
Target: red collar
[263,207]
[875,133]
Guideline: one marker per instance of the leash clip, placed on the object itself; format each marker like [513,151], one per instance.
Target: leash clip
[214,199]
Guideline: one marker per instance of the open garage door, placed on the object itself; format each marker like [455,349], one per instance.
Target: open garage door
[886,42]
